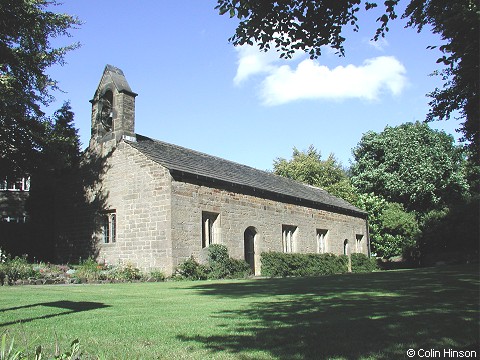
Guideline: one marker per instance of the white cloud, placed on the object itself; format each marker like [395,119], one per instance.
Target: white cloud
[252,62]
[282,82]
[311,80]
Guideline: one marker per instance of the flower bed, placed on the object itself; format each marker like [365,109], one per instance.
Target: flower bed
[18,271]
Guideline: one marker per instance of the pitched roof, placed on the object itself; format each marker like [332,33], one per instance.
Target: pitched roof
[118,79]
[185,161]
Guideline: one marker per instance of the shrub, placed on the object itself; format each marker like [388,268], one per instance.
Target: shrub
[157,275]
[362,263]
[222,266]
[89,270]
[125,273]
[277,264]
[238,269]
[190,269]
[15,269]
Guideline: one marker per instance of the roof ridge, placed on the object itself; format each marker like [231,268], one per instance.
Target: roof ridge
[207,155]
[280,177]
[185,160]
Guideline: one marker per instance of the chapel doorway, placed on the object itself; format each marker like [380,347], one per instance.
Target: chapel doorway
[249,247]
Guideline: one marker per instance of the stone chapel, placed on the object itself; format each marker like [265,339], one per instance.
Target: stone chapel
[155,204]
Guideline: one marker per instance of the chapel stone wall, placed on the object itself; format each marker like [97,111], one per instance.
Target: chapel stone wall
[237,212]
[139,192]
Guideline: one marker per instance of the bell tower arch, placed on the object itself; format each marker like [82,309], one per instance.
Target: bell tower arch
[113,108]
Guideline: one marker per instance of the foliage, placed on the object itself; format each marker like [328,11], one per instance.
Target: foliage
[59,156]
[72,354]
[62,149]
[392,230]
[308,167]
[224,267]
[457,22]
[293,25]
[362,263]
[410,164]
[91,270]
[278,264]
[451,235]
[220,266]
[16,269]
[88,269]
[190,269]
[157,275]
[26,29]
[7,352]
[127,272]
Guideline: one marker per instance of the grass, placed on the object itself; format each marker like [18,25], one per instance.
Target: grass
[362,316]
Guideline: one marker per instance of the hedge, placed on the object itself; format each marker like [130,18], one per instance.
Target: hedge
[277,264]
[362,263]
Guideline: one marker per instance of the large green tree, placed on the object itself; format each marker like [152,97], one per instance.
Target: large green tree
[291,25]
[392,230]
[59,156]
[27,28]
[308,167]
[410,164]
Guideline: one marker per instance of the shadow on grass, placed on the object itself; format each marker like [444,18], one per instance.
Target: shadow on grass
[70,306]
[378,315]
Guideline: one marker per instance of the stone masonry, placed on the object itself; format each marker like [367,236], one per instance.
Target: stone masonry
[153,204]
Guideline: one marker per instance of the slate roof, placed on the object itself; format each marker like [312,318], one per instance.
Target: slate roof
[118,79]
[181,160]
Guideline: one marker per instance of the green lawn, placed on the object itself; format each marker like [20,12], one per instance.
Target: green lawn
[377,316]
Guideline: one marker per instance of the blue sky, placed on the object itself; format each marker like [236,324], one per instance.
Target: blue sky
[198,91]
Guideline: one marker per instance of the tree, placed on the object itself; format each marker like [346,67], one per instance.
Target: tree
[308,167]
[292,25]
[59,156]
[410,164]
[451,235]
[26,29]
[457,22]
[62,148]
[393,231]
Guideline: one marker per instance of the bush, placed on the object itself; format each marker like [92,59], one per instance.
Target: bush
[277,264]
[89,270]
[15,269]
[157,275]
[190,269]
[125,273]
[362,263]
[222,266]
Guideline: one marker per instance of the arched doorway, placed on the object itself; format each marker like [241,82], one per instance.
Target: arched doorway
[249,247]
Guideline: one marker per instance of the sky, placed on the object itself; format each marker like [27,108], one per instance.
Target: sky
[195,89]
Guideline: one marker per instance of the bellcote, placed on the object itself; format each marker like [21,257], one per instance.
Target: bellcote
[113,107]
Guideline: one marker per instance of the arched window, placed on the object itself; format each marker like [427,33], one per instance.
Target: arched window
[109,227]
[249,246]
